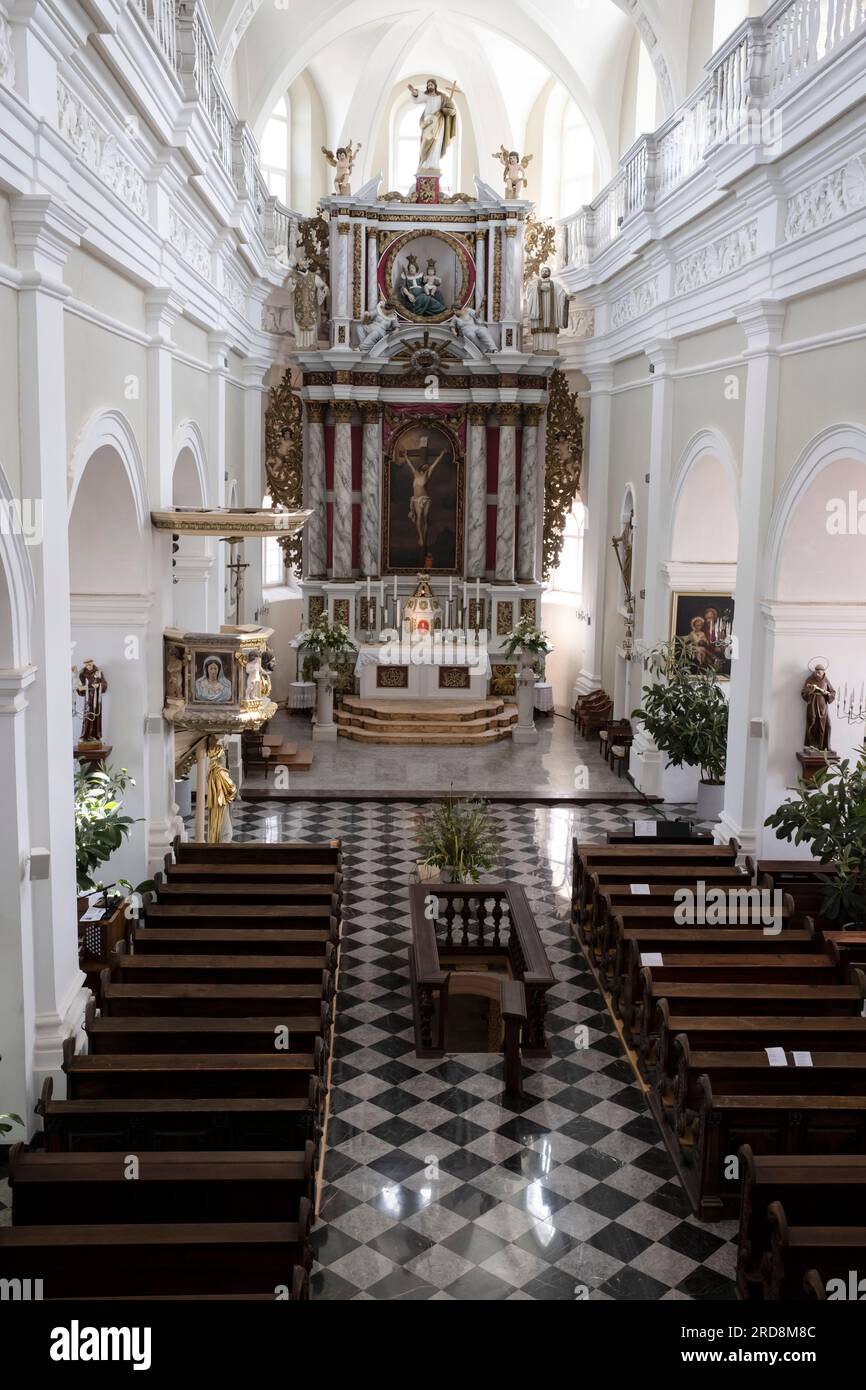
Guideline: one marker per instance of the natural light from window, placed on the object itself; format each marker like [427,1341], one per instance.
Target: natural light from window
[275,151]
[567,578]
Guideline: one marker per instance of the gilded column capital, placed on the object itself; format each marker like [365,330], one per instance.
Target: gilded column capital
[478,414]
[508,414]
[371,412]
[316,411]
[343,411]
[532,415]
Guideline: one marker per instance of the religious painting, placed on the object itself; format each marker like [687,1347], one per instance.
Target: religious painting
[213,679]
[426,276]
[423,501]
[704,623]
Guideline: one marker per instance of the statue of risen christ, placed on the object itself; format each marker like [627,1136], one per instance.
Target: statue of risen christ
[438,125]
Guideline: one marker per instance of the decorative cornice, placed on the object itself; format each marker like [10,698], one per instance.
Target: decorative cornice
[110,610]
[816,618]
[634,302]
[827,199]
[720,257]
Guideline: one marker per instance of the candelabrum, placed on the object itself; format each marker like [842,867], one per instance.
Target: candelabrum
[850,706]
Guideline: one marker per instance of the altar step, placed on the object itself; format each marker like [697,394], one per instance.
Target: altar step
[428,722]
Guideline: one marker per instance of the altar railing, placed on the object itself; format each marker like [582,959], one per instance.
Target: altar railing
[759,66]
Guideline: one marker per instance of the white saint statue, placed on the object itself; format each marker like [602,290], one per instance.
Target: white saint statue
[548,304]
[467,324]
[438,125]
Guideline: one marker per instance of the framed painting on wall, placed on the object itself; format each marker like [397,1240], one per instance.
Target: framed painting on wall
[704,623]
[423,500]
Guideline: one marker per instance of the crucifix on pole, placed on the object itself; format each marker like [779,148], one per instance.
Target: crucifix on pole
[236,567]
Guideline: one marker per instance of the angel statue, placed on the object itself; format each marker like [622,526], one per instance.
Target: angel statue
[377,325]
[466,324]
[344,162]
[513,171]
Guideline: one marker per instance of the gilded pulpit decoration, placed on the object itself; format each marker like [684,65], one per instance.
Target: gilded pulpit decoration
[284,457]
[341,611]
[562,466]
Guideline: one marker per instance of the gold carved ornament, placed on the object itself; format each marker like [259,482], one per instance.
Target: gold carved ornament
[562,465]
[284,457]
[539,241]
[314,236]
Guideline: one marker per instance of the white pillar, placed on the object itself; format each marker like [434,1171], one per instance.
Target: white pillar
[371,472]
[372,267]
[342,557]
[324,729]
[255,390]
[17,991]
[524,730]
[44,233]
[341,291]
[506,497]
[747,757]
[527,560]
[594,491]
[476,493]
[219,344]
[480,280]
[315,535]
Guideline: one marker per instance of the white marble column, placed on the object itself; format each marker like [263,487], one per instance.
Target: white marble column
[476,493]
[255,390]
[341,292]
[372,267]
[17,1002]
[342,557]
[529,494]
[371,472]
[315,533]
[593,488]
[506,496]
[745,776]
[45,231]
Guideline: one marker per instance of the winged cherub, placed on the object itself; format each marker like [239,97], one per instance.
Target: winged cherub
[344,162]
[514,171]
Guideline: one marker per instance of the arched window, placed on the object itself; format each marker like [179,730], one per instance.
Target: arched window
[567,578]
[405,144]
[577,157]
[275,151]
[273,560]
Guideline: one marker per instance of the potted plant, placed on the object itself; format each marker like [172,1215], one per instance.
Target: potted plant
[326,642]
[686,715]
[457,841]
[829,815]
[100,825]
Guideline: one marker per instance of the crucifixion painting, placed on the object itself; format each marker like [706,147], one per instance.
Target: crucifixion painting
[423,500]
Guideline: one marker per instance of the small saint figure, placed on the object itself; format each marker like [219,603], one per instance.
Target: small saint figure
[818,694]
[92,685]
[343,162]
[547,302]
[513,171]
[309,295]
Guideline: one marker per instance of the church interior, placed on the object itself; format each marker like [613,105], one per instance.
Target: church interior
[433,652]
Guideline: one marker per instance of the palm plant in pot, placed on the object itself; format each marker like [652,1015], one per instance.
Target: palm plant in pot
[829,815]
[685,712]
[456,841]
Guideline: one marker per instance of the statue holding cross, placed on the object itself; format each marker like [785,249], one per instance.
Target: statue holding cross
[438,124]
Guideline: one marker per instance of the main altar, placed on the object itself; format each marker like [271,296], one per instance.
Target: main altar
[422,390]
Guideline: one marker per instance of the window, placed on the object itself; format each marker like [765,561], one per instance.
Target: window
[405,146]
[273,560]
[577,161]
[275,152]
[567,578]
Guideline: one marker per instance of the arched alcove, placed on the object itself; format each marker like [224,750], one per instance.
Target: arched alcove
[193,559]
[817,547]
[110,603]
[705,526]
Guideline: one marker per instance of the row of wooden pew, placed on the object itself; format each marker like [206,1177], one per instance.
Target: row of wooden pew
[746,1021]
[182,1161]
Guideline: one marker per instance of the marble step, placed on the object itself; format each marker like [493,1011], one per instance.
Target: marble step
[411,726]
[439,711]
[424,737]
[300,760]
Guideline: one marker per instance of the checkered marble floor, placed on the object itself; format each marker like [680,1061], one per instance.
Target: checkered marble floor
[437,1184]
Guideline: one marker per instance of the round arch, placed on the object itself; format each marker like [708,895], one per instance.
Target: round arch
[17,573]
[189,436]
[110,428]
[836,444]
[705,442]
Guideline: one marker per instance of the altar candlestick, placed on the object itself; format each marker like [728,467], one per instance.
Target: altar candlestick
[450,588]
[395,588]
[368,590]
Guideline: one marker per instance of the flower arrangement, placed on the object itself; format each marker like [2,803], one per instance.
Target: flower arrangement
[526,637]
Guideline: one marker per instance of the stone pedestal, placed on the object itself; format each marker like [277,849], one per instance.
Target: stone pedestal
[324,729]
[525,731]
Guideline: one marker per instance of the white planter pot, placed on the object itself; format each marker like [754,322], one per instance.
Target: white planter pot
[679,783]
[711,800]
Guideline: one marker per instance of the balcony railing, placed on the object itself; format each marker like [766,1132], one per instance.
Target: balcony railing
[182,32]
[737,102]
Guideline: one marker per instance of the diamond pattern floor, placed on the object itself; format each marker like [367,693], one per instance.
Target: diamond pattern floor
[438,1186]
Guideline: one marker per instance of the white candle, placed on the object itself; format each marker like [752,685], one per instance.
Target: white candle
[450,588]
[395,588]
[399,619]
[368,590]
[382,593]
[478,591]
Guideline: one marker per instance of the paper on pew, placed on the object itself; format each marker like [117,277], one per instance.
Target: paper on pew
[803,1059]
[639,887]
[776,1056]
[646,827]
[651,958]
[93,914]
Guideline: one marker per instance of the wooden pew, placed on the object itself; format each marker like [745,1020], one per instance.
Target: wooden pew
[822,1033]
[588,857]
[803,1124]
[301,941]
[164,1259]
[795,1251]
[253,873]
[631,916]
[251,894]
[259,852]
[166,1075]
[813,1189]
[204,1000]
[135,1126]
[221,969]
[120,1034]
[611,897]
[750,1073]
[695,998]
[238,917]
[65,1189]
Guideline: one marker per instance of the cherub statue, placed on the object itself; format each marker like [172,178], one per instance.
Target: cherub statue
[344,162]
[378,325]
[466,324]
[513,171]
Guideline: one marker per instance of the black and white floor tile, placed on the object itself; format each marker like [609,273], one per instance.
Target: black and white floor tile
[437,1184]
